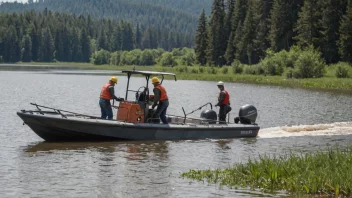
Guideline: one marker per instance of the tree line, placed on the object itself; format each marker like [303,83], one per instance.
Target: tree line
[163,19]
[50,36]
[243,30]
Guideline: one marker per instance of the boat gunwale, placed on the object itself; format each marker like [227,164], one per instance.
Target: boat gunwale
[116,123]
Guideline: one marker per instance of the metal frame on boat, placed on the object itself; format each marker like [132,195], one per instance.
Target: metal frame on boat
[134,121]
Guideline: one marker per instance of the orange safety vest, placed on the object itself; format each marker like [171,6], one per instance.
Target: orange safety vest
[105,93]
[226,99]
[163,94]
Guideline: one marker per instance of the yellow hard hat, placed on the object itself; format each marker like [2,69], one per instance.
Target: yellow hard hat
[155,80]
[113,79]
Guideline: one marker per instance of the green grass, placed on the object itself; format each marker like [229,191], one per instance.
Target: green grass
[321,173]
[224,74]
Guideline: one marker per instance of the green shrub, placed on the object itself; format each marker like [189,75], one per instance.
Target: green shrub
[274,63]
[342,71]
[249,69]
[309,64]
[237,67]
[289,73]
[194,71]
[182,69]
[188,58]
[212,70]
[147,57]
[225,70]
[167,59]
[293,54]
[100,57]
[115,58]
[201,69]
[258,69]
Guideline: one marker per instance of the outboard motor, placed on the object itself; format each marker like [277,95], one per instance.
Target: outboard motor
[209,114]
[248,114]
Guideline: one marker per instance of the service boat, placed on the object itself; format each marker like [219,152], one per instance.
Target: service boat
[134,121]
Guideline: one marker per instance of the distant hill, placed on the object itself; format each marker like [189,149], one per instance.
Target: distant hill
[190,6]
[179,16]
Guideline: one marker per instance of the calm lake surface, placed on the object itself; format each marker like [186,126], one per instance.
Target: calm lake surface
[30,167]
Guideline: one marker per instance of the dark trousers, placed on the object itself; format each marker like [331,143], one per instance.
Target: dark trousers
[161,111]
[222,114]
[106,110]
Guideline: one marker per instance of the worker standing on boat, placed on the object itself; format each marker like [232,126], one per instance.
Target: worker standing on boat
[107,94]
[160,96]
[223,103]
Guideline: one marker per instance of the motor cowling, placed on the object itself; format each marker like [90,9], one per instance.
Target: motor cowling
[247,114]
[209,115]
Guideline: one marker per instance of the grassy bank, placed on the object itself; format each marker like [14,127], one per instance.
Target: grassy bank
[226,74]
[322,173]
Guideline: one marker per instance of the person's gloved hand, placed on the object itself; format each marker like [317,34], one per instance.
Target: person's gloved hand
[216,105]
[154,105]
[119,99]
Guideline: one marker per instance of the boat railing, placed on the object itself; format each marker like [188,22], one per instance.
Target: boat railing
[59,111]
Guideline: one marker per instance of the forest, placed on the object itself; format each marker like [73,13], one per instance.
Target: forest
[297,38]
[243,30]
[51,36]
[167,16]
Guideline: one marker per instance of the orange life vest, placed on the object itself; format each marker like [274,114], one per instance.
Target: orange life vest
[226,98]
[163,94]
[105,93]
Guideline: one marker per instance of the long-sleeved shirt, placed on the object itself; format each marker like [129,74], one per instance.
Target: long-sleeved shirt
[221,98]
[112,92]
[157,94]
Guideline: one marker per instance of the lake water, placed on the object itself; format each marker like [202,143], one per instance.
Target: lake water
[295,120]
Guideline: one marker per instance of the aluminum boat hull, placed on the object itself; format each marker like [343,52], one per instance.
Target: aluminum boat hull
[58,128]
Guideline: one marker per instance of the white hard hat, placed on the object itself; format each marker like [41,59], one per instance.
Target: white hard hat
[220,83]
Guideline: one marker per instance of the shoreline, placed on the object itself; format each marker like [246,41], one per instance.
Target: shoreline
[323,84]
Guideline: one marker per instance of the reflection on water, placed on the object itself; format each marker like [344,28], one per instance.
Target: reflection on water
[291,120]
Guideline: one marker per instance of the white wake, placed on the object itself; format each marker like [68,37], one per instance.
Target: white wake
[338,128]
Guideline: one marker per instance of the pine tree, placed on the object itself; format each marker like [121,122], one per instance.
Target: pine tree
[201,41]
[332,11]
[230,49]
[46,50]
[239,14]
[35,42]
[138,36]
[76,46]
[12,50]
[230,5]
[59,46]
[116,39]
[85,46]
[216,45]
[261,42]
[282,19]
[102,42]
[27,49]
[65,35]
[345,42]
[127,37]
[307,27]
[245,46]
[148,39]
